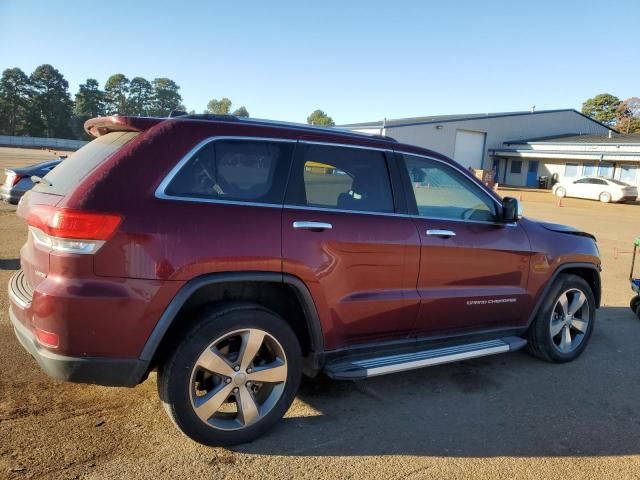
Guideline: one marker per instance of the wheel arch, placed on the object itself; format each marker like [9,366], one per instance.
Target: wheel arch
[588,271]
[284,294]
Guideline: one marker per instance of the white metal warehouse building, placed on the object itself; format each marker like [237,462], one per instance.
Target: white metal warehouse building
[521,146]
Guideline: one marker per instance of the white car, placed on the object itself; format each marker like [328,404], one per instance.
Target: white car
[596,188]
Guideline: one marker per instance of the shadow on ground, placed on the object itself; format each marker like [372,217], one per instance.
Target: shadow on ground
[506,405]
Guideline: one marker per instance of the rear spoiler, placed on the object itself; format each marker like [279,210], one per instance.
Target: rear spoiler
[99,126]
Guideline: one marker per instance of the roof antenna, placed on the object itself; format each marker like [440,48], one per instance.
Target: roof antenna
[384,126]
[533,108]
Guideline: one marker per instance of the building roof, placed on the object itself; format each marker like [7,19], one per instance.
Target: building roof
[574,138]
[404,122]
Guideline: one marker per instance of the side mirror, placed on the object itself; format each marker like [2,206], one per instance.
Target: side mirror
[511,210]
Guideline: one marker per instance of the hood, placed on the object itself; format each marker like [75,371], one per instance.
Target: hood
[556,227]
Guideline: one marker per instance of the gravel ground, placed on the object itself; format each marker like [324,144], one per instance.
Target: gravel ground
[508,416]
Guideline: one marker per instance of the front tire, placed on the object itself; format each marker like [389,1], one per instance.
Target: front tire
[233,376]
[563,326]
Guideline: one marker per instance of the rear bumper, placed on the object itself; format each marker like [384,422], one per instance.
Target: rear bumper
[10,196]
[95,370]
[99,370]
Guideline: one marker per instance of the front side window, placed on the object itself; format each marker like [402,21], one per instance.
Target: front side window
[341,178]
[235,170]
[442,192]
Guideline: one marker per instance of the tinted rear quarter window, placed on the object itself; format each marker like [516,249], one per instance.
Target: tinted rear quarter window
[235,170]
[78,165]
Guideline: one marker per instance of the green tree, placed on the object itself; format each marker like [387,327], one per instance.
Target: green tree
[116,90]
[140,97]
[602,108]
[89,99]
[628,116]
[219,107]
[14,100]
[165,97]
[241,112]
[50,108]
[89,103]
[318,117]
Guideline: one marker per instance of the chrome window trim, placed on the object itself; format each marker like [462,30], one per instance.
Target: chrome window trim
[345,145]
[400,215]
[161,190]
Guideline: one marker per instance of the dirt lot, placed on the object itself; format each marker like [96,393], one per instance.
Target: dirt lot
[21,157]
[501,417]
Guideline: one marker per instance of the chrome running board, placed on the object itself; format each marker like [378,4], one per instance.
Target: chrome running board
[382,365]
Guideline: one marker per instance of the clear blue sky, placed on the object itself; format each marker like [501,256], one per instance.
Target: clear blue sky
[357,60]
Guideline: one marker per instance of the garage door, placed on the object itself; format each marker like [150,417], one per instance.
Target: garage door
[469,148]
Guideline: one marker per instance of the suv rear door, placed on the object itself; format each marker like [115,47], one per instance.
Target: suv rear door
[473,269]
[343,237]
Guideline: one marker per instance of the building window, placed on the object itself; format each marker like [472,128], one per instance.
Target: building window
[571,170]
[589,169]
[605,170]
[629,174]
[516,166]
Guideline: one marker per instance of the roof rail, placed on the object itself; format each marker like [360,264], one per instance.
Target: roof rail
[299,126]
[212,116]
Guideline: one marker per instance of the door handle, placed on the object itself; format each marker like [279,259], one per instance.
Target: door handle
[313,226]
[441,233]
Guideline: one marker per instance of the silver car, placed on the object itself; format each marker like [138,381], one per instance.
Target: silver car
[18,180]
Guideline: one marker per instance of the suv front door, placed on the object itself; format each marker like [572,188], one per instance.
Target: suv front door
[473,269]
[342,237]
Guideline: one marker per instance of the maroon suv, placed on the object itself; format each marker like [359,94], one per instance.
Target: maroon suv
[232,255]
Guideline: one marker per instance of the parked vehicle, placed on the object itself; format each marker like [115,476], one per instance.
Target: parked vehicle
[18,180]
[251,252]
[596,188]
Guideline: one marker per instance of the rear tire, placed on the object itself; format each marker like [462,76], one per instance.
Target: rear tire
[563,326]
[233,376]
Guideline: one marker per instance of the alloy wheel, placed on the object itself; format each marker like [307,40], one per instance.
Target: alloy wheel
[569,320]
[238,379]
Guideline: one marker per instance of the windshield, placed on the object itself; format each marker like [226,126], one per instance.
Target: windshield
[62,179]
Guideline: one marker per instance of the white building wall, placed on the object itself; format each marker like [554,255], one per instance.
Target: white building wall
[441,137]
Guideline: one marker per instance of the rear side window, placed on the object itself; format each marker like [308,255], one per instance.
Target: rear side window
[341,178]
[235,170]
[79,164]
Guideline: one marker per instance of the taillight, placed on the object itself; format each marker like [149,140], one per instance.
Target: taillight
[12,178]
[16,179]
[72,231]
